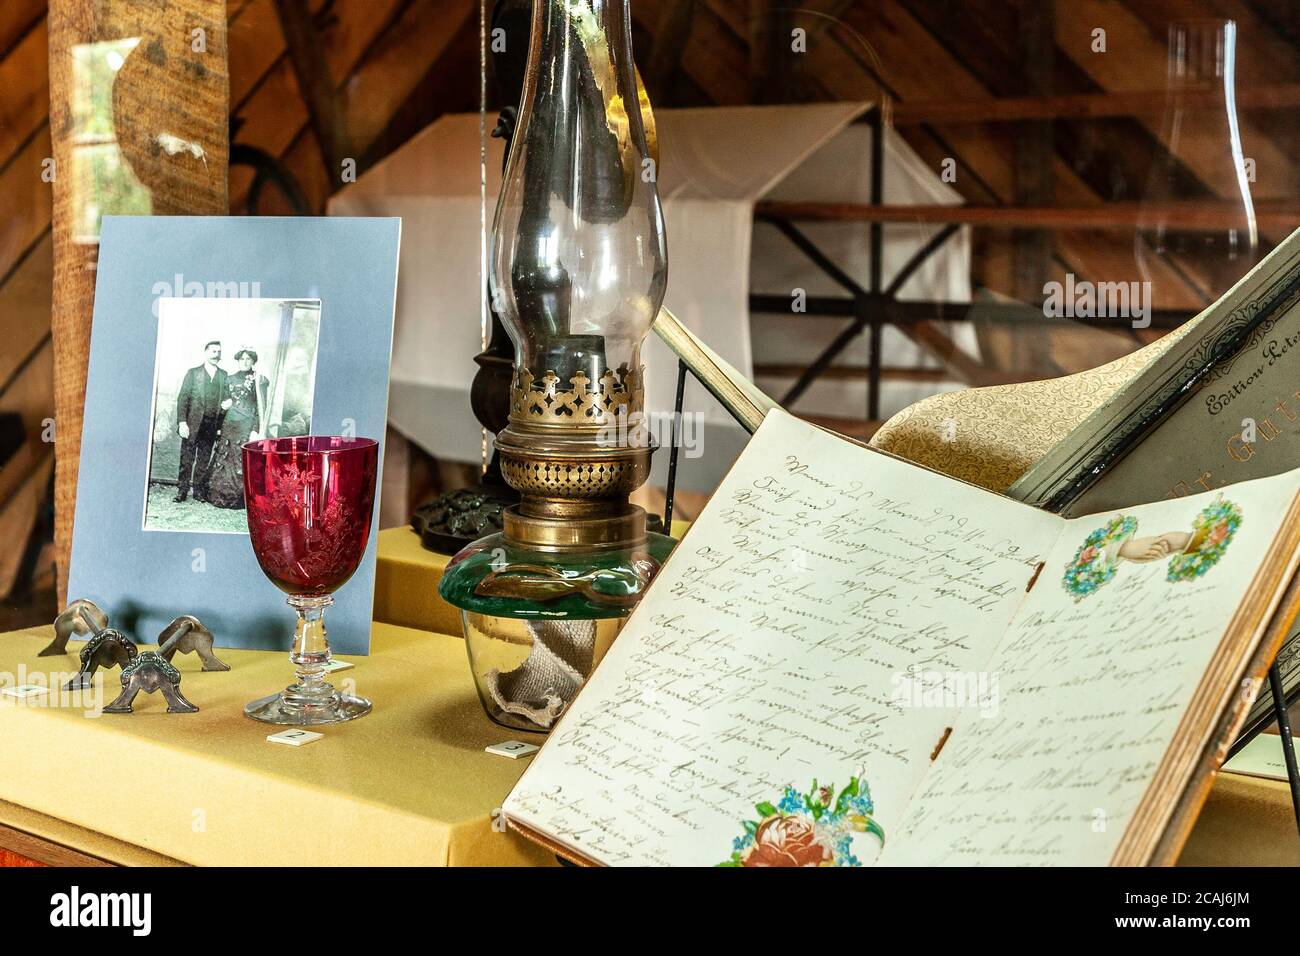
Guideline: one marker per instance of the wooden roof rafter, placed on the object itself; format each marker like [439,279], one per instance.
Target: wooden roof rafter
[18,18]
[376,54]
[326,111]
[1080,106]
[972,37]
[671,34]
[1178,215]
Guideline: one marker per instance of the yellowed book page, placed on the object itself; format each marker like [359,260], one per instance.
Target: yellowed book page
[783,643]
[1096,671]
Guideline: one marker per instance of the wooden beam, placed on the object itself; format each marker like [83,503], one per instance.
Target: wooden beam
[169,84]
[41,852]
[1034,150]
[887,45]
[1078,106]
[860,428]
[983,38]
[272,111]
[29,394]
[25,304]
[672,33]
[256,47]
[18,17]
[270,119]
[325,109]
[838,58]
[857,373]
[716,59]
[1031,249]
[1180,215]
[939,343]
[19,514]
[1109,255]
[397,62]
[1200,145]
[919,67]
[25,104]
[24,202]
[450,85]
[770,57]
[303,161]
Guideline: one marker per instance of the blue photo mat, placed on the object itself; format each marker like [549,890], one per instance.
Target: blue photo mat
[144,579]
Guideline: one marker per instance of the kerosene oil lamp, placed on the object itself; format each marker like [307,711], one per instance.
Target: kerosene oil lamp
[579,266]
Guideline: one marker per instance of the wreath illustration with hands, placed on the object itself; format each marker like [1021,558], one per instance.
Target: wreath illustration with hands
[1191,553]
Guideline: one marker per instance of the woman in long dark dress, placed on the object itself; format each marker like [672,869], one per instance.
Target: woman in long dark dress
[246,394]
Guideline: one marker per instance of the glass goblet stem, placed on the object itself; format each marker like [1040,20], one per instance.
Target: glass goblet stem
[310,655]
[310,700]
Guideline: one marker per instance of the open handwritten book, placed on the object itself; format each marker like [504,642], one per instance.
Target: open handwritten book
[850,659]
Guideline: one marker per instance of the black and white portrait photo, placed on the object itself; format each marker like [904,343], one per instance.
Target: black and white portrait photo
[228,371]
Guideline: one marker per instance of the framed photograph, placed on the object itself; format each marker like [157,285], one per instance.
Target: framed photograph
[226,371]
[209,332]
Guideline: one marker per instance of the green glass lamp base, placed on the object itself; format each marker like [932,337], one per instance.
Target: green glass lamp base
[492,576]
[537,624]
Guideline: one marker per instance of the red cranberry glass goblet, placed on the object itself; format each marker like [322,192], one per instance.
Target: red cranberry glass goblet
[309,504]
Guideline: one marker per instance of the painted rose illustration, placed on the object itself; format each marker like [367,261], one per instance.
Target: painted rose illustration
[808,829]
[787,841]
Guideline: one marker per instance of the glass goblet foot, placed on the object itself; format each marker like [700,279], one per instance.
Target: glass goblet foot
[310,700]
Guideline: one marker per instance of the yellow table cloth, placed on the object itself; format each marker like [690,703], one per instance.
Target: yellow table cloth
[408,784]
[1246,821]
[406,584]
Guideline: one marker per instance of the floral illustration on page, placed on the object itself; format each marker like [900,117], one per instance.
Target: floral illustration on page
[817,828]
[1191,553]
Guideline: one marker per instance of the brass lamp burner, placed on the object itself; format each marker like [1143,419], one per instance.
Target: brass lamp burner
[617,395]
[574,455]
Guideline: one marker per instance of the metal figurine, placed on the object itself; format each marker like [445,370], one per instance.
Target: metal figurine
[107,648]
[71,622]
[151,672]
[187,635]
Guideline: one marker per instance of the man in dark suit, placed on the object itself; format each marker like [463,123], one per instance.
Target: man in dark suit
[198,418]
